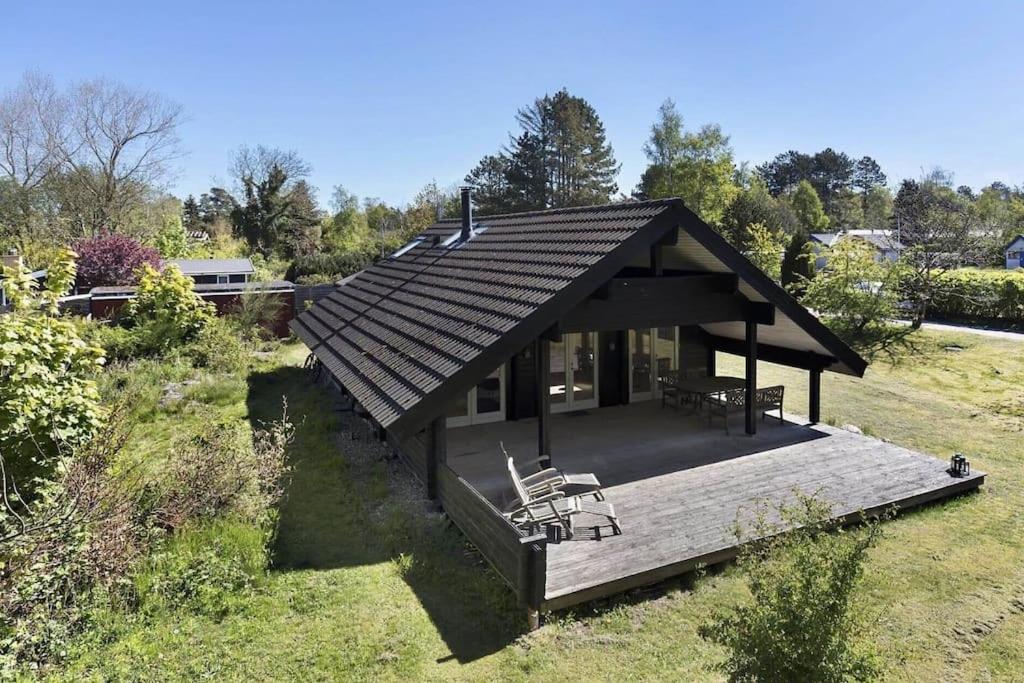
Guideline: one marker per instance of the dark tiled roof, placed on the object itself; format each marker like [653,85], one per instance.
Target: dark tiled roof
[397,331]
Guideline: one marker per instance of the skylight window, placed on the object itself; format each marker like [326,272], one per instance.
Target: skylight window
[408,247]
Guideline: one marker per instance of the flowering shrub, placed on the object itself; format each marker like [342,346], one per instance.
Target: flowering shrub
[112,259]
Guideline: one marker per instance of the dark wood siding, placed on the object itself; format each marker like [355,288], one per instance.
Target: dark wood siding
[521,564]
[413,452]
[613,383]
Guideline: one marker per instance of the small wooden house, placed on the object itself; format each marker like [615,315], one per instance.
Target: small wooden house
[550,332]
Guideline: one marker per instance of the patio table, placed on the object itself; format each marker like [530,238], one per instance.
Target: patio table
[697,388]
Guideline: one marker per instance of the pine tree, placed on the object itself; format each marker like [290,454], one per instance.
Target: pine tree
[561,157]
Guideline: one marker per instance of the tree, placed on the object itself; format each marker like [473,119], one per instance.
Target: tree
[560,158]
[808,208]
[754,204]
[765,250]
[172,240]
[935,224]
[29,136]
[801,622]
[275,203]
[47,394]
[119,144]
[831,174]
[856,295]
[112,259]
[878,208]
[191,218]
[696,167]
[493,192]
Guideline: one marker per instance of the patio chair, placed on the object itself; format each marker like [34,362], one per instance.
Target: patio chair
[548,479]
[555,508]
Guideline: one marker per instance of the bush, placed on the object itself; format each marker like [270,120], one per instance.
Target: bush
[166,310]
[47,392]
[218,346]
[980,295]
[330,267]
[257,313]
[801,623]
[112,259]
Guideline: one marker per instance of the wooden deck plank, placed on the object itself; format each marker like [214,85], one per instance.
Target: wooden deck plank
[679,487]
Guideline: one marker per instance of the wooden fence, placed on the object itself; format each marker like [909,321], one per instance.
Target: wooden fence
[518,558]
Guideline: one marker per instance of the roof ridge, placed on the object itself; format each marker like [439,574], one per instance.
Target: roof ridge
[569,209]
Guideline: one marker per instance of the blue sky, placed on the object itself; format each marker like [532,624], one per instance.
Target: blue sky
[383,98]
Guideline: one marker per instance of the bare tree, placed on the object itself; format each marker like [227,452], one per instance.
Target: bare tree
[119,147]
[31,117]
[254,165]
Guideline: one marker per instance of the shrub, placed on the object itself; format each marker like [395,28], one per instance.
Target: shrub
[218,346]
[47,394]
[257,313]
[801,623]
[166,310]
[980,295]
[330,267]
[112,259]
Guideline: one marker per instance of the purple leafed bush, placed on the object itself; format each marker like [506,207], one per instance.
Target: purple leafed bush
[112,259]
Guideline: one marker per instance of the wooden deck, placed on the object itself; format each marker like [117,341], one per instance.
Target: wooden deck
[679,487]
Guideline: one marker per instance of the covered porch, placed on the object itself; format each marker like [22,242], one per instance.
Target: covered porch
[680,486]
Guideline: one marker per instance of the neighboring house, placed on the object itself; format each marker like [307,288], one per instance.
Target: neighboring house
[548,334]
[216,271]
[887,247]
[1014,252]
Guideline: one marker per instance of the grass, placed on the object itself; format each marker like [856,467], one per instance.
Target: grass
[368,583]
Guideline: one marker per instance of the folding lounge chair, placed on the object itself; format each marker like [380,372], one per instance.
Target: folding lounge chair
[555,508]
[549,480]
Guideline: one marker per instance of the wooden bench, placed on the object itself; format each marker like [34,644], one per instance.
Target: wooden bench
[734,401]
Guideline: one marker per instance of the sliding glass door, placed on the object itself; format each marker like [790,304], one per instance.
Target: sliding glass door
[572,382]
[652,352]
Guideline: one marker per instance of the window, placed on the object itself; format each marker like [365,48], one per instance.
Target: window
[222,279]
[484,403]
[652,352]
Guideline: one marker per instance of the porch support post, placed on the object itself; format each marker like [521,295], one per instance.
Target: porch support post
[437,452]
[543,355]
[711,370]
[814,396]
[751,377]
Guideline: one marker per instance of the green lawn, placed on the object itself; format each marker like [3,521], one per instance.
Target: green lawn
[370,584]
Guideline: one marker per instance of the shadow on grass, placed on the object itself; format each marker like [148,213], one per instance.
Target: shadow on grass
[346,507]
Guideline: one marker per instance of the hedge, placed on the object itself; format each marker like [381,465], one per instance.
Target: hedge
[330,267]
[983,295]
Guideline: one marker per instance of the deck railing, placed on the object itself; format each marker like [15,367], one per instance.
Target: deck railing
[518,557]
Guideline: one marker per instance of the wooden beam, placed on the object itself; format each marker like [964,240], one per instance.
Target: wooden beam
[543,364]
[805,360]
[596,315]
[814,397]
[751,377]
[667,286]
[711,361]
[656,260]
[436,453]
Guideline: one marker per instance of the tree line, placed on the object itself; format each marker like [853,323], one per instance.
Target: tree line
[98,156]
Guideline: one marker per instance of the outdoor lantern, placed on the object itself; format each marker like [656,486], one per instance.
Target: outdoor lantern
[959,466]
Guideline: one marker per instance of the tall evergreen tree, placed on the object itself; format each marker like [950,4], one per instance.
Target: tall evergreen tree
[808,208]
[190,217]
[561,157]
